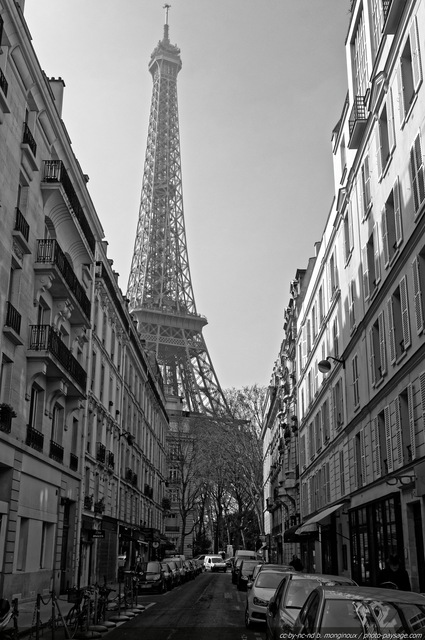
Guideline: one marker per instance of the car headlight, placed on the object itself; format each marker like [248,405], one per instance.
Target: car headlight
[259,602]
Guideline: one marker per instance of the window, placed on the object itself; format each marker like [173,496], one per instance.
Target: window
[321,305]
[371,264]
[385,135]
[416,167]
[333,274]
[404,427]
[391,225]
[409,72]
[308,328]
[338,404]
[325,421]
[355,375]
[311,441]
[302,452]
[361,73]
[335,338]
[351,304]
[377,24]
[378,353]
[359,459]
[314,321]
[342,471]
[382,453]
[363,189]
[326,482]
[398,321]
[418,267]
[348,233]
[318,431]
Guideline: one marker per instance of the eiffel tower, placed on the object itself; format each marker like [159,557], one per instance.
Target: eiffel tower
[159,288]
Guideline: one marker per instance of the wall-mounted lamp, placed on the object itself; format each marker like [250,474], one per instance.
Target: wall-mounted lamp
[128,436]
[325,366]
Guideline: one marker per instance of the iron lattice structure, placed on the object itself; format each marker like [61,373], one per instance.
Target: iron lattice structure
[160,289]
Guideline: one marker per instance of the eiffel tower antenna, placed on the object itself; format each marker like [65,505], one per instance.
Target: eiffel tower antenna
[160,288]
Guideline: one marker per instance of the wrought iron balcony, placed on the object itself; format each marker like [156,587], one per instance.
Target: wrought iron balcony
[357,122]
[34,439]
[393,10]
[28,138]
[50,253]
[100,452]
[22,225]
[12,325]
[45,338]
[3,83]
[55,173]
[56,451]
[73,462]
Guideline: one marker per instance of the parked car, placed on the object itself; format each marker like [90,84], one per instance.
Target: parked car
[168,575]
[260,591]
[200,561]
[190,570]
[180,566]
[151,577]
[175,572]
[361,612]
[245,572]
[265,567]
[215,563]
[285,605]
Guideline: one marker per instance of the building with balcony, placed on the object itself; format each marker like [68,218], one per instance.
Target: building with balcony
[82,410]
[360,342]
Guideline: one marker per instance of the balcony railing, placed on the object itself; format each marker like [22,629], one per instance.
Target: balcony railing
[73,462]
[56,451]
[49,252]
[28,139]
[44,338]
[34,439]
[54,171]
[357,122]
[22,225]
[3,83]
[13,318]
[100,452]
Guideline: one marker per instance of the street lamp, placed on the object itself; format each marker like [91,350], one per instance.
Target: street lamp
[325,366]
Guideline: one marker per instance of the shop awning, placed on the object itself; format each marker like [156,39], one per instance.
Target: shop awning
[290,535]
[311,525]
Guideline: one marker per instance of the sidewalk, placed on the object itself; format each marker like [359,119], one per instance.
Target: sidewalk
[27,615]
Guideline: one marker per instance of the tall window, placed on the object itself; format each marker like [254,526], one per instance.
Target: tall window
[364,191]
[404,423]
[359,459]
[333,274]
[371,264]
[378,353]
[361,74]
[355,382]
[398,321]
[409,71]
[348,233]
[382,443]
[416,167]
[418,267]
[351,304]
[338,404]
[385,135]
[377,24]
[326,421]
[342,471]
[391,224]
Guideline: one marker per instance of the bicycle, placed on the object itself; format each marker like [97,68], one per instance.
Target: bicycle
[103,604]
[8,613]
[79,616]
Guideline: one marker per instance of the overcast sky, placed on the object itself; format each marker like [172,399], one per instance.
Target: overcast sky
[262,86]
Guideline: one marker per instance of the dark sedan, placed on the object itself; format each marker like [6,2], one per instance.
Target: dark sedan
[245,572]
[151,577]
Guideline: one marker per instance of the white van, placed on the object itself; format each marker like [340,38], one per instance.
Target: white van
[215,563]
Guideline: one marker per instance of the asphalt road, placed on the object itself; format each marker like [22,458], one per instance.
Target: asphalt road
[206,608]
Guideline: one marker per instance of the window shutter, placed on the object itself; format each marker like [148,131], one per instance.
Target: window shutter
[417,173]
[304,347]
[391,336]
[372,357]
[376,256]
[363,456]
[328,482]
[365,265]
[382,344]
[417,295]
[378,149]
[398,433]
[302,451]
[390,120]
[351,298]
[361,194]
[416,56]
[422,385]
[376,448]
[405,312]
[367,196]
[411,412]
[350,227]
[400,87]
[385,244]
[397,213]
[388,439]
[354,476]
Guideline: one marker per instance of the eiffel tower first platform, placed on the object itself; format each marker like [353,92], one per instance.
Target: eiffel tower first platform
[160,289]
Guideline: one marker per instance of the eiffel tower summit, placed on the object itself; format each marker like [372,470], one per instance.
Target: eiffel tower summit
[159,288]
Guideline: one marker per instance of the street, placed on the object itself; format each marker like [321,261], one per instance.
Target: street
[209,607]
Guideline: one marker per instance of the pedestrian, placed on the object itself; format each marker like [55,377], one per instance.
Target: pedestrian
[296,563]
[394,574]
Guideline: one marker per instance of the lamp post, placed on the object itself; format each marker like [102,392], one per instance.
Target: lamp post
[325,366]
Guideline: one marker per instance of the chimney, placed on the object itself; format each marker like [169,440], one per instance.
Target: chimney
[57,86]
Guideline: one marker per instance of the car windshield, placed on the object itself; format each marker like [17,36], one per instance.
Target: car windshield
[153,567]
[297,593]
[268,580]
[248,567]
[214,560]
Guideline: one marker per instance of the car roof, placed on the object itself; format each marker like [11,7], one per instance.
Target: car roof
[277,567]
[322,577]
[371,593]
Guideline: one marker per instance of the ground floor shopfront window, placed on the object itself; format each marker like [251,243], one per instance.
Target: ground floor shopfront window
[375,533]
